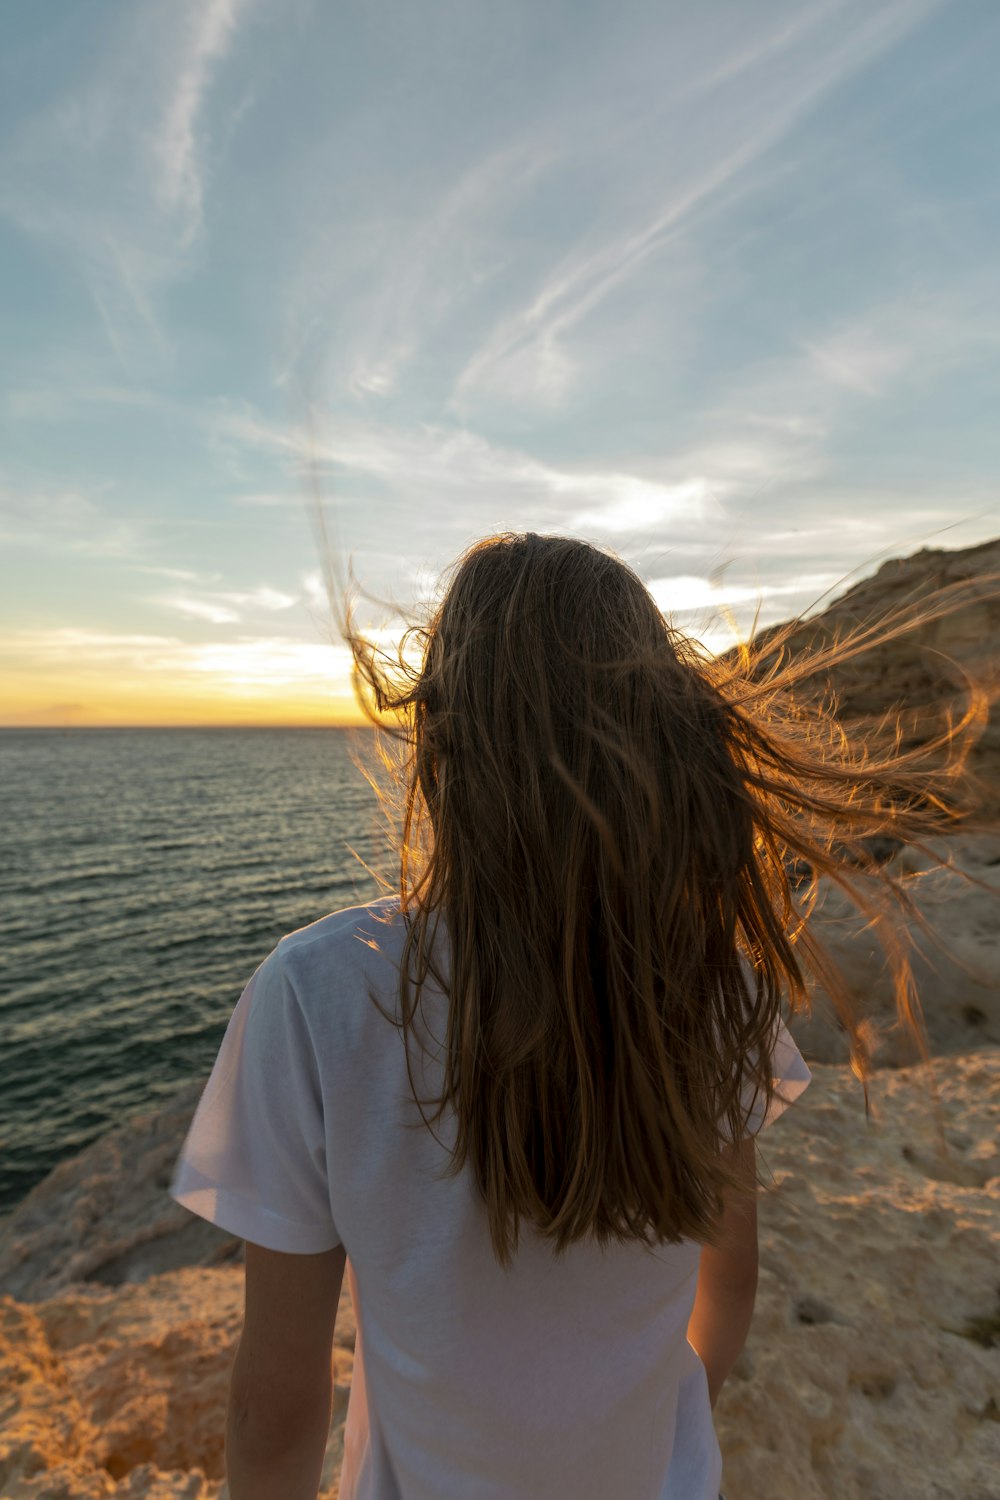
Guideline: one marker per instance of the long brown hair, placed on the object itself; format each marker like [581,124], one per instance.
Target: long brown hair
[614,827]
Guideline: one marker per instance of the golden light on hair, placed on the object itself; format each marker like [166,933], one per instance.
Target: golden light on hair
[608,822]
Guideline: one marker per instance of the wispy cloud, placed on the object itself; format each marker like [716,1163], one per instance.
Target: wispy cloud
[448,256]
[716,614]
[208,31]
[64,520]
[182,575]
[64,391]
[58,508]
[799,398]
[858,361]
[715,298]
[686,593]
[434,464]
[228,607]
[364,303]
[282,499]
[261,660]
[201,609]
[112,174]
[525,358]
[760,452]
[59,644]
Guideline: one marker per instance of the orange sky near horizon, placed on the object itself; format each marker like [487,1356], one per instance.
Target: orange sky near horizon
[59,677]
[66,676]
[65,698]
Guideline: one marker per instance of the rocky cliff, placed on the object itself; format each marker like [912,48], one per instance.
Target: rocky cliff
[922,672]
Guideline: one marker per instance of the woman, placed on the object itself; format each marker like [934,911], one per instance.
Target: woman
[594,924]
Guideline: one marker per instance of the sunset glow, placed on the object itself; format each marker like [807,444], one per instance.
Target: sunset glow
[719,297]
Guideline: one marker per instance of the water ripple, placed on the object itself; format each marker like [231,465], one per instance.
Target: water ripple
[146,874]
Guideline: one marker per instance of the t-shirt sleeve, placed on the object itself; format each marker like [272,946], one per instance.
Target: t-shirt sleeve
[254,1159]
[790,1077]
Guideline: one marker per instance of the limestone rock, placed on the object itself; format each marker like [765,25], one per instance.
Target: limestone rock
[956,969]
[122,1391]
[873,1366]
[921,672]
[105,1215]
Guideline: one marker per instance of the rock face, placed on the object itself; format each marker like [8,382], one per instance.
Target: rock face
[922,669]
[123,1391]
[873,1366]
[956,969]
[105,1216]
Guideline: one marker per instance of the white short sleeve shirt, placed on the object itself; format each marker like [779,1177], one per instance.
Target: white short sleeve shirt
[555,1378]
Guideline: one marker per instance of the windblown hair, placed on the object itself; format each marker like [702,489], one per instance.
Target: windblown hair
[610,823]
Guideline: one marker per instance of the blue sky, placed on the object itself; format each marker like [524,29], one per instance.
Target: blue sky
[715,285]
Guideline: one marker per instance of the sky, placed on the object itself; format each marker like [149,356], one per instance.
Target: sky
[715,286]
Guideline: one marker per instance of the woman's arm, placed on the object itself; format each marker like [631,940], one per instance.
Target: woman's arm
[727,1281]
[275,1452]
[281,1392]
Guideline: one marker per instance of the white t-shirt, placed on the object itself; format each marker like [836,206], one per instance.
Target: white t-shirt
[555,1378]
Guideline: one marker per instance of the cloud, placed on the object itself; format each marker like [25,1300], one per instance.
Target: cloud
[112,174]
[260,660]
[632,503]
[29,717]
[202,609]
[524,360]
[284,499]
[779,41]
[788,407]
[443,260]
[60,509]
[434,464]
[314,590]
[365,298]
[183,575]
[858,361]
[270,599]
[271,662]
[690,594]
[761,453]
[208,30]
[71,385]
[226,607]
[65,521]
[60,644]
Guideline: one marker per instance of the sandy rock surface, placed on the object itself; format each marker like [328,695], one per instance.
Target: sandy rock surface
[104,1215]
[873,1367]
[872,1370]
[122,1391]
[956,967]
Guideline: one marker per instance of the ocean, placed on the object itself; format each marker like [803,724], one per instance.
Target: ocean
[146,874]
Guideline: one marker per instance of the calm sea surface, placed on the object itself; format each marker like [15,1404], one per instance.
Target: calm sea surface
[146,874]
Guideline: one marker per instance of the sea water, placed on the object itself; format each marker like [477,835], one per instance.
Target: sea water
[145,875]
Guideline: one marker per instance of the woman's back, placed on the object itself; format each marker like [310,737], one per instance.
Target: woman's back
[556,1377]
[612,828]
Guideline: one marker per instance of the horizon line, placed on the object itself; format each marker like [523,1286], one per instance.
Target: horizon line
[225,724]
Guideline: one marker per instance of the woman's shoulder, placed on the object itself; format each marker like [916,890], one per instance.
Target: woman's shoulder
[350,933]
[327,970]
